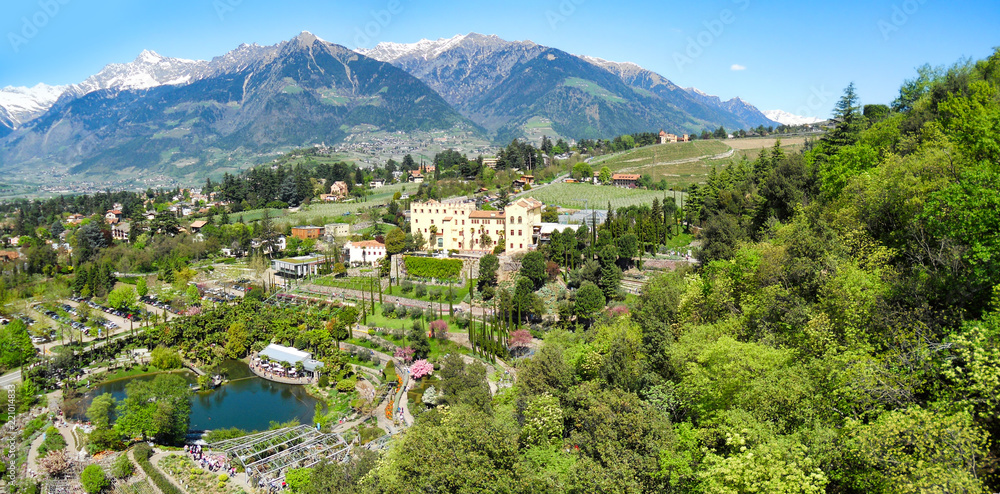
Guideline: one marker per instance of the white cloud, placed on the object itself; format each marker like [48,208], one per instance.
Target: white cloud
[737,66]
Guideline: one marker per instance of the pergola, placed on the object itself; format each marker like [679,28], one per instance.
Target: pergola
[268,455]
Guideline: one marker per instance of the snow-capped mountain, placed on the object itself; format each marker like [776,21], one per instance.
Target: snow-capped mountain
[459,68]
[20,104]
[786,118]
[166,115]
[147,71]
[501,84]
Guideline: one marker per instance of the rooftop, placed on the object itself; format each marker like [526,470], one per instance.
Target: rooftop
[291,355]
[300,259]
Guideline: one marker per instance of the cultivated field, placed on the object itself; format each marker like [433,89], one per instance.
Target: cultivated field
[640,158]
[321,213]
[578,196]
[764,142]
[683,164]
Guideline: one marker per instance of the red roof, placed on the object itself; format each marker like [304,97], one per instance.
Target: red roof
[368,243]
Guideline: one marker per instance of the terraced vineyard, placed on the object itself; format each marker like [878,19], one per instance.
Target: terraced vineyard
[578,196]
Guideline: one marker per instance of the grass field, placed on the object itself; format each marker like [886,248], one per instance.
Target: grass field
[660,153]
[321,213]
[596,196]
[683,164]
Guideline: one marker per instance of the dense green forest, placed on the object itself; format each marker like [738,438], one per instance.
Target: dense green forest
[841,334]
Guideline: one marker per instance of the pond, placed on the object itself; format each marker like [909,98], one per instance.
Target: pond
[247,401]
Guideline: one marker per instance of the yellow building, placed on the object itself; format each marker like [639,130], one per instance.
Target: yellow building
[523,217]
[443,224]
[460,226]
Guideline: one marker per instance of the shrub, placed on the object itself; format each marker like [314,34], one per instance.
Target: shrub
[439,329]
[421,368]
[347,385]
[404,353]
[421,291]
[54,441]
[93,479]
[165,358]
[142,453]
[406,287]
[488,292]
[429,267]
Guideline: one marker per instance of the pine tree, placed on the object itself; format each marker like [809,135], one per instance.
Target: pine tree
[850,121]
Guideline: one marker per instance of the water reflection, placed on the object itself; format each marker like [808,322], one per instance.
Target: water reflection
[247,401]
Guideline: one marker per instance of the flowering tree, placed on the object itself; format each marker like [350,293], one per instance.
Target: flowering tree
[421,368]
[439,329]
[618,310]
[519,340]
[405,353]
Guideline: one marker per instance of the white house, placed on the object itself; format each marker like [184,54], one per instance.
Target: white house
[366,252]
[296,267]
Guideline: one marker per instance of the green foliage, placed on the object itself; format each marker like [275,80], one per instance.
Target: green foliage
[238,340]
[533,268]
[918,450]
[165,358]
[589,300]
[298,478]
[53,441]
[430,267]
[93,479]
[142,453]
[15,345]
[543,422]
[488,266]
[122,467]
[123,297]
[159,409]
[101,411]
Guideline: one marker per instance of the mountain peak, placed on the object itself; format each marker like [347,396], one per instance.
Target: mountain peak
[305,38]
[148,56]
[427,49]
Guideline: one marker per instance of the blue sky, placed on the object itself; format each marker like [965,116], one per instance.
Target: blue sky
[797,56]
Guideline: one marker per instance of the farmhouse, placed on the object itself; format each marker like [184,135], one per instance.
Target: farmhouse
[366,252]
[629,180]
[338,190]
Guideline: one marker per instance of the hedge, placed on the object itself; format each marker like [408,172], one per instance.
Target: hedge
[142,453]
[430,267]
[389,372]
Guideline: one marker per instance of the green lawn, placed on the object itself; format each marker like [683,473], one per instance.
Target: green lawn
[459,291]
[377,320]
[346,283]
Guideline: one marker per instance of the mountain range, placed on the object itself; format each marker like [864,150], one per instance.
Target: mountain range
[181,116]
[786,118]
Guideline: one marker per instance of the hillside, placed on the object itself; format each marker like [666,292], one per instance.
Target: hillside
[507,86]
[636,159]
[297,93]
